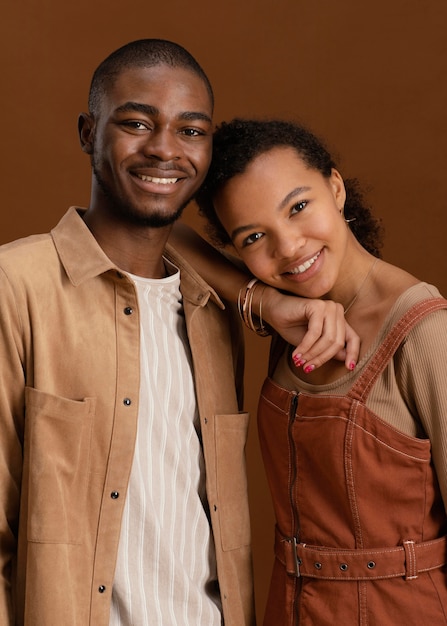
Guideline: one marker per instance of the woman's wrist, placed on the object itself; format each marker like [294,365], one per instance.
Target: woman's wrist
[250,306]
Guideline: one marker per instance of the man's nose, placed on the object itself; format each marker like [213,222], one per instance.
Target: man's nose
[163,144]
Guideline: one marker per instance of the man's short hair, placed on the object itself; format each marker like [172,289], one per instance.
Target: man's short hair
[142,53]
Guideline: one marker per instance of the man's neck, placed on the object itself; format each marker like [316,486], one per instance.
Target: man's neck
[134,249]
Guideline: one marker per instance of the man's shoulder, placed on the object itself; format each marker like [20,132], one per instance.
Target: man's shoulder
[24,259]
[34,253]
[25,249]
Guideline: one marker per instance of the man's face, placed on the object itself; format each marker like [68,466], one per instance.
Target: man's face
[150,144]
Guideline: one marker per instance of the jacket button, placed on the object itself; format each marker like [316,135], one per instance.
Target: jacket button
[128,310]
[318,565]
[101,589]
[127,401]
[114,495]
[371,565]
[343,567]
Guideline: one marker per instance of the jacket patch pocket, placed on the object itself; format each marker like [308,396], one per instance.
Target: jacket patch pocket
[56,465]
[231,436]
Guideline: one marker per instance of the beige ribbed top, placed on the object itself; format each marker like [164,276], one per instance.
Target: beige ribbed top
[411,394]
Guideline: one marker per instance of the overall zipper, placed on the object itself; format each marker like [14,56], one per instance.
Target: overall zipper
[293,507]
[293,475]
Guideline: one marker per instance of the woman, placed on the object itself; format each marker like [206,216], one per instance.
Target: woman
[356,461]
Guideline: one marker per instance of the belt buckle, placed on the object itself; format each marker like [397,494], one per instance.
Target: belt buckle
[297,560]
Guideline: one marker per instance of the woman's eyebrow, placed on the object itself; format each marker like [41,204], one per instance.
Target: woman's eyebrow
[284,202]
[242,229]
[295,192]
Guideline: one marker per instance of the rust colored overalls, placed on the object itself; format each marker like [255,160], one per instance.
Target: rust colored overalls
[360,519]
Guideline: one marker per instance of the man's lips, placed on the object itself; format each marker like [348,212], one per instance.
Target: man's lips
[158,180]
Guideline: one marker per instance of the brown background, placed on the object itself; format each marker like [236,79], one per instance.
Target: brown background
[370,77]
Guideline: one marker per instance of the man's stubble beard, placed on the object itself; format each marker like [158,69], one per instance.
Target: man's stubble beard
[124,211]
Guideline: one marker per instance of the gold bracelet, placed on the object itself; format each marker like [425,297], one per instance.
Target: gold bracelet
[242,299]
[245,308]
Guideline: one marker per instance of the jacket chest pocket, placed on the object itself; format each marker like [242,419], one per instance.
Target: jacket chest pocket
[56,465]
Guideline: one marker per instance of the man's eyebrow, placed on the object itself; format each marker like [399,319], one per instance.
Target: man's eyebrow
[195,115]
[148,109]
[137,107]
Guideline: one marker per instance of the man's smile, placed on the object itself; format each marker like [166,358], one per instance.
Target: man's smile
[155,179]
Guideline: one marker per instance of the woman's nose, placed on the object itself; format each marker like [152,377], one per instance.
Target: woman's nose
[287,245]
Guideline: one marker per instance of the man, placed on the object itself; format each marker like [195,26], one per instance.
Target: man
[118,389]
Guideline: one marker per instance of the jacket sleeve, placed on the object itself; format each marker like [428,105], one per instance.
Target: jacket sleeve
[238,349]
[12,385]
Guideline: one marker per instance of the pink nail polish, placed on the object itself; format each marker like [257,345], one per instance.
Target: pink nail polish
[298,360]
[352,365]
[309,368]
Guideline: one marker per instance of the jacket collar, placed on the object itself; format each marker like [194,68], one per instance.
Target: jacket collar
[78,250]
[193,287]
[83,258]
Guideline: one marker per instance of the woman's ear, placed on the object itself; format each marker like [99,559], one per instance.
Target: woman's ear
[86,128]
[338,189]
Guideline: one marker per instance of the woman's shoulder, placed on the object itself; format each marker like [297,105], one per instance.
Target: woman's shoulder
[413,295]
[430,328]
[394,291]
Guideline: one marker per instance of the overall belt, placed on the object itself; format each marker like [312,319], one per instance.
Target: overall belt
[407,560]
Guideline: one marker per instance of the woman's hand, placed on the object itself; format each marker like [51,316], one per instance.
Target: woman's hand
[317,328]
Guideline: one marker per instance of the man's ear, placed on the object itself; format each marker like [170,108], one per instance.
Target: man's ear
[86,130]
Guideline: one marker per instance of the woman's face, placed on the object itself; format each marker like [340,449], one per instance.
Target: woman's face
[285,222]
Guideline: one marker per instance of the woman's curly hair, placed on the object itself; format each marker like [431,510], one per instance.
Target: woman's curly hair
[237,143]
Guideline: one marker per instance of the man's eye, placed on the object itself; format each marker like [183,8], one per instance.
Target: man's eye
[192,132]
[252,239]
[299,206]
[135,125]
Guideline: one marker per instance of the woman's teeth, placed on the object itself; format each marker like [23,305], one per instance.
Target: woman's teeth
[305,266]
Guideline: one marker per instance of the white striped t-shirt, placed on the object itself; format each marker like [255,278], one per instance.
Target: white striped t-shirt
[166,568]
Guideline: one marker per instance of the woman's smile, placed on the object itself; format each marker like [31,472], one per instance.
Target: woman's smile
[286,223]
[303,267]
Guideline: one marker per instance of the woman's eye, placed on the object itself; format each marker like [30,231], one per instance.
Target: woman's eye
[251,239]
[299,206]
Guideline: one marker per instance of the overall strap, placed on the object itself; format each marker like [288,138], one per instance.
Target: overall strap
[390,344]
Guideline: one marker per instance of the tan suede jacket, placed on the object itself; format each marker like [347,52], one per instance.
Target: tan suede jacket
[69,376]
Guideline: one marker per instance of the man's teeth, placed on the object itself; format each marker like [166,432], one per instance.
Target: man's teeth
[161,181]
[305,266]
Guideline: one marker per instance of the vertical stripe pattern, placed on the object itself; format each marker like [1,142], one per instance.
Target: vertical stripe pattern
[166,570]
